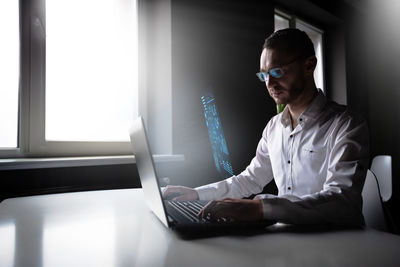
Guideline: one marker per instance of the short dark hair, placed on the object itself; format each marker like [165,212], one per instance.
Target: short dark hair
[292,41]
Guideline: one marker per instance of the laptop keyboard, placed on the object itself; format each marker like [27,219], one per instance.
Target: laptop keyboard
[188,209]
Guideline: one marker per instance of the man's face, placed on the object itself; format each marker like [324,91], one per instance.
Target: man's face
[286,89]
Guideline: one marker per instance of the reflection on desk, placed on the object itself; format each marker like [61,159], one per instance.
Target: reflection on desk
[115,228]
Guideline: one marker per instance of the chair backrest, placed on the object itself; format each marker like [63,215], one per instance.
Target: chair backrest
[372,205]
[382,168]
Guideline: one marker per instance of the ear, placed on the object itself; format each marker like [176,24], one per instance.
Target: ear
[309,65]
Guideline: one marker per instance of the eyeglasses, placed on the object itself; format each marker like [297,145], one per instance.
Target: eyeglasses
[275,72]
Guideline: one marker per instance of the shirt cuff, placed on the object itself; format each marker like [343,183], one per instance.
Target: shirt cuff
[205,192]
[267,201]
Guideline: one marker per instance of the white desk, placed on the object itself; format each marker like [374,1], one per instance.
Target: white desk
[114,228]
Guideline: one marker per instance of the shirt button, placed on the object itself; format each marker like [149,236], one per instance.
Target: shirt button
[288,161]
[291,136]
[289,188]
[301,119]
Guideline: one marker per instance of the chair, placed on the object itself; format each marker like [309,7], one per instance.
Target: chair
[372,204]
[382,168]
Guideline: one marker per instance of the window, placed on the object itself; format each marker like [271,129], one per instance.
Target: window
[281,22]
[91,70]
[284,20]
[9,73]
[79,77]
[71,82]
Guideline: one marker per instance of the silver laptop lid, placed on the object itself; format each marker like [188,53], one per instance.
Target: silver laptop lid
[147,173]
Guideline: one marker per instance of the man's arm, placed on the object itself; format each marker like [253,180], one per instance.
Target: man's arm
[250,181]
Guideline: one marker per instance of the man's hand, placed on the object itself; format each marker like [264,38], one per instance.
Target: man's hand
[233,209]
[180,193]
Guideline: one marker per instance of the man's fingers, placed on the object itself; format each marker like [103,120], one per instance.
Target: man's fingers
[206,209]
[181,198]
[232,209]
[201,212]
[224,209]
[170,190]
[214,210]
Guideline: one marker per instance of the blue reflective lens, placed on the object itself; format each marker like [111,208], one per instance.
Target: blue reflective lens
[262,76]
[276,73]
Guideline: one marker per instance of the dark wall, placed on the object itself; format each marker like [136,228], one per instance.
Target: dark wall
[15,183]
[373,50]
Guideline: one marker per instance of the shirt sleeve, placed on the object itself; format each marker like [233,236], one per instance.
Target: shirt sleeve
[251,181]
[340,201]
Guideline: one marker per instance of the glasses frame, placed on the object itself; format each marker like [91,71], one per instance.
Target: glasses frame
[263,76]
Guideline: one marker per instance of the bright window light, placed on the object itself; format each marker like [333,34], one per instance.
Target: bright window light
[7,244]
[315,34]
[316,37]
[63,242]
[280,22]
[9,73]
[91,69]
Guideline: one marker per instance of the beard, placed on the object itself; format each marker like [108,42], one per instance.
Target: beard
[288,95]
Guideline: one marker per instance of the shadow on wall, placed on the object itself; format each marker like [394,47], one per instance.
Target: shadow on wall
[373,75]
[217,45]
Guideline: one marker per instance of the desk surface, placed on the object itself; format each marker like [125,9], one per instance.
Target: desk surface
[114,228]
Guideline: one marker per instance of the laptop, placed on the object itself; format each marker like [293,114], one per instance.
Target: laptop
[178,215]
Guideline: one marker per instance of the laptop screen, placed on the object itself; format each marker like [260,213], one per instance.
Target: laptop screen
[147,172]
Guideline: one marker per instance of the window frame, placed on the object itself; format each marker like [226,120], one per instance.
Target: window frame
[19,151]
[37,144]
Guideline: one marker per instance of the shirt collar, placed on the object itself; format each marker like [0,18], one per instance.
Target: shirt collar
[285,118]
[311,112]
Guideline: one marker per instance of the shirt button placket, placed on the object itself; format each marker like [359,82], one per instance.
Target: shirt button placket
[290,163]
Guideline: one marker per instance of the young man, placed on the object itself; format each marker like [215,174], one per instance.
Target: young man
[315,150]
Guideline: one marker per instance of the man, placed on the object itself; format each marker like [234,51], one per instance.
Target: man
[315,150]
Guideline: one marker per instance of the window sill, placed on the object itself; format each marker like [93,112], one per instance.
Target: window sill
[40,163]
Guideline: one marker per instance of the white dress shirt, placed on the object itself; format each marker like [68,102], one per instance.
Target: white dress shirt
[319,167]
